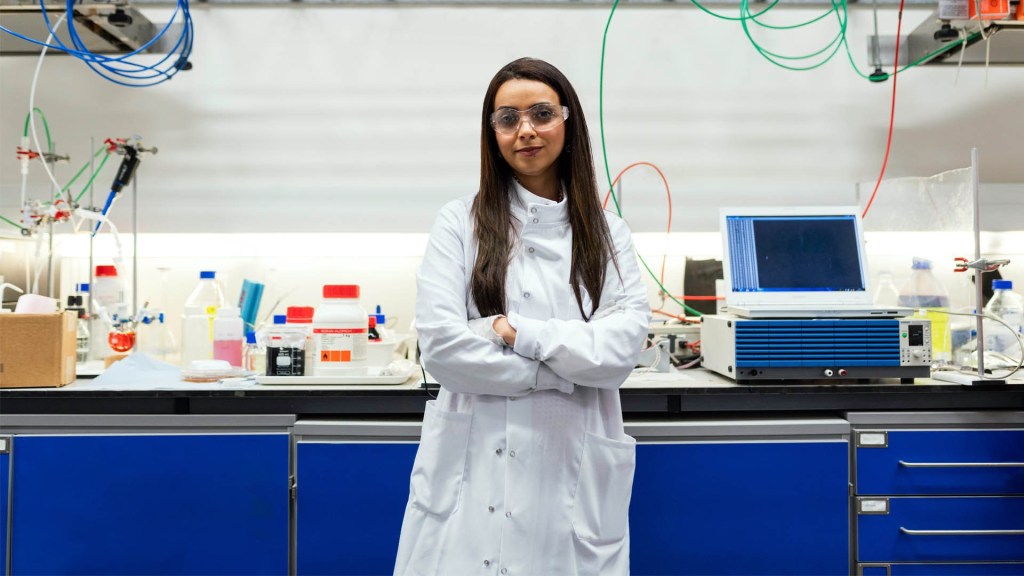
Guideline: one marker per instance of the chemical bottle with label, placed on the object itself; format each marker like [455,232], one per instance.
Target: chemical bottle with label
[286,348]
[924,292]
[253,356]
[1008,307]
[76,304]
[340,332]
[228,335]
[301,318]
[197,319]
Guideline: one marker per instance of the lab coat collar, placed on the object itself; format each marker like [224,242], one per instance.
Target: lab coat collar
[535,210]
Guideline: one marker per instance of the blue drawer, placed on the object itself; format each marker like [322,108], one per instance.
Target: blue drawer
[965,569]
[940,462]
[942,529]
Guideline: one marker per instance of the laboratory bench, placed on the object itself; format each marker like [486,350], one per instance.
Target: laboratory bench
[238,478]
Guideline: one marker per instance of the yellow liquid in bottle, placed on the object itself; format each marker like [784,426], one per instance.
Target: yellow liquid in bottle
[941,349]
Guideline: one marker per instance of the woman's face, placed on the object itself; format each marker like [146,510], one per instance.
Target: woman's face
[528,151]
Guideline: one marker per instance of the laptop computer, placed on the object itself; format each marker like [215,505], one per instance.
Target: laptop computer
[803,262]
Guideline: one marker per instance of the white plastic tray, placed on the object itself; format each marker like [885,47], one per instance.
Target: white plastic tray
[369,379]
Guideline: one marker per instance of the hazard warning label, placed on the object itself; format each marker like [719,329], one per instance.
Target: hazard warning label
[339,345]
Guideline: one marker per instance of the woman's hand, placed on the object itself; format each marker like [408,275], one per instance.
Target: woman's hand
[505,330]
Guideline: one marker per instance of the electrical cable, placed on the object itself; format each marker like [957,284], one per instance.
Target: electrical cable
[668,193]
[46,126]
[31,107]
[112,67]
[12,223]
[892,111]
[1020,340]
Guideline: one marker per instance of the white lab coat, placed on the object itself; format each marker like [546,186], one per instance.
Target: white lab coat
[523,467]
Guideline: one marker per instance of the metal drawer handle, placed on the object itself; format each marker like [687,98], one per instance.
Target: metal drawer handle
[962,464]
[961,532]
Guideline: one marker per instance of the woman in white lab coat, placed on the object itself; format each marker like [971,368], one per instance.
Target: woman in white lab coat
[531,313]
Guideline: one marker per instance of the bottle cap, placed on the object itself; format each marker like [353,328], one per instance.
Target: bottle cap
[106,271]
[922,264]
[341,291]
[1002,284]
[207,274]
[381,318]
[250,337]
[228,312]
[83,287]
[300,314]
[161,317]
[373,321]
[280,318]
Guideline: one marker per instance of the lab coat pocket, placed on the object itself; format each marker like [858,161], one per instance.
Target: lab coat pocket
[600,509]
[437,472]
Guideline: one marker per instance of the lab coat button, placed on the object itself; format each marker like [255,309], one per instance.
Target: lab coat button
[512,453]
[508,514]
[490,508]
[504,570]
[487,562]
[533,210]
[526,295]
[535,220]
[498,451]
[531,250]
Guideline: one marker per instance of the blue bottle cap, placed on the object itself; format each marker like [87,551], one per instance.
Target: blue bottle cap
[250,337]
[280,319]
[922,264]
[381,318]
[1002,284]
[83,287]
[205,274]
[161,317]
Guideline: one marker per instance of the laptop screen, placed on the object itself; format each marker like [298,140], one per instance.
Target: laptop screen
[794,253]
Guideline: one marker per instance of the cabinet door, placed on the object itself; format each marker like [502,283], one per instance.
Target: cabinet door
[5,487]
[150,504]
[351,498]
[741,508]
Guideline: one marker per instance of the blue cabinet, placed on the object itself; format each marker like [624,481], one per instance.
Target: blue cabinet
[150,503]
[5,488]
[351,494]
[939,493]
[733,505]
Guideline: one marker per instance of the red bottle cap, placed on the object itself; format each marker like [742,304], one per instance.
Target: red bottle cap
[300,314]
[373,321]
[341,291]
[106,270]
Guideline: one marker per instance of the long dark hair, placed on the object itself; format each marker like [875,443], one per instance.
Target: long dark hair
[592,246]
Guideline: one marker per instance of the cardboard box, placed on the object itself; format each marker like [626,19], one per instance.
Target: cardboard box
[37,350]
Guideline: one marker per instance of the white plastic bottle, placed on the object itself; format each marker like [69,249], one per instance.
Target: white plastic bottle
[340,332]
[1009,308]
[228,335]
[106,287]
[924,292]
[197,319]
[196,338]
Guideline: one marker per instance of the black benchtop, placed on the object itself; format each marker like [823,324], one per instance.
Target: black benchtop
[638,399]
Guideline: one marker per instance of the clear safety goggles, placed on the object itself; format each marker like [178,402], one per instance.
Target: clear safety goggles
[541,116]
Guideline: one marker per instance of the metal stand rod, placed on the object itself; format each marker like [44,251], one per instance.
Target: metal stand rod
[92,285]
[135,246]
[978,274]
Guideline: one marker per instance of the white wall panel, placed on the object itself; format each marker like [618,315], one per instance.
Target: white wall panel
[341,119]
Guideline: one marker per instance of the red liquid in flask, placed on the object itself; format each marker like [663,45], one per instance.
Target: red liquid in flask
[121,341]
